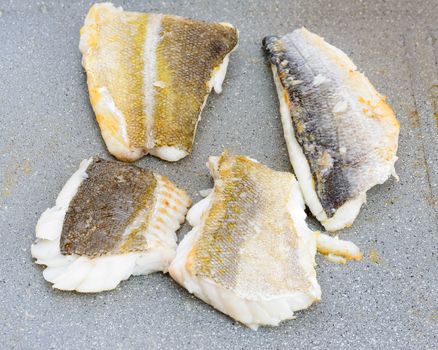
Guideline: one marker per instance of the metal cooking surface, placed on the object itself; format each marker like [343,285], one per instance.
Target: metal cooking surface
[388,300]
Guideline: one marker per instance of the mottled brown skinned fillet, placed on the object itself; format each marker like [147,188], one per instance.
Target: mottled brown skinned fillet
[104,205]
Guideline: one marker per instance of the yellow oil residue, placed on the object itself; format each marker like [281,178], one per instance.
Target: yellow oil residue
[12,174]
[374,256]
[432,201]
[8,182]
[434,99]
[26,166]
[434,315]
[414,119]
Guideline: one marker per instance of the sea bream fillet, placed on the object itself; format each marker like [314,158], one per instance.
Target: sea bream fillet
[111,220]
[149,76]
[341,135]
[250,253]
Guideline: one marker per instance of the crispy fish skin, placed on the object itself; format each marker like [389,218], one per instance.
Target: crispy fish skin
[104,205]
[250,253]
[111,220]
[149,76]
[232,220]
[342,136]
[184,76]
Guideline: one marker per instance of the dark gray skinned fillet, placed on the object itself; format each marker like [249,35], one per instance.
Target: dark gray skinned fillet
[342,137]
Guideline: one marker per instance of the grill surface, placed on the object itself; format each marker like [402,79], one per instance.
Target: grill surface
[388,300]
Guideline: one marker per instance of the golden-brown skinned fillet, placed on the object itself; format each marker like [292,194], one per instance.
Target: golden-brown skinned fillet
[250,253]
[149,76]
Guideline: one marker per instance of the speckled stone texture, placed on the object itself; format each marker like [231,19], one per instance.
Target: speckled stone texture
[386,301]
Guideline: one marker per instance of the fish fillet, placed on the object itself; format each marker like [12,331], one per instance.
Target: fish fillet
[341,135]
[111,220]
[149,76]
[250,253]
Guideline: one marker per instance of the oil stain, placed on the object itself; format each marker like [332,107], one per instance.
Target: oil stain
[434,99]
[414,120]
[431,315]
[434,315]
[12,175]
[431,200]
[374,256]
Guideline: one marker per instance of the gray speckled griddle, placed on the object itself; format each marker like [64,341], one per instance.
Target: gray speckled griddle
[388,300]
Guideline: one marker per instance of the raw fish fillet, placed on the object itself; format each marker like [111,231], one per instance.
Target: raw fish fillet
[111,220]
[149,76]
[250,253]
[341,135]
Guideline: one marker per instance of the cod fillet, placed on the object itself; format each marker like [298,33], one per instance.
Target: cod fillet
[111,220]
[250,253]
[149,76]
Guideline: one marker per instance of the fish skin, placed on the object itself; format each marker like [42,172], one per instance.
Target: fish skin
[105,204]
[248,220]
[345,129]
[148,77]
[185,76]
